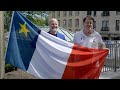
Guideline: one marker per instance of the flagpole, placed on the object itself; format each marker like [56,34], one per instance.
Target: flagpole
[2,45]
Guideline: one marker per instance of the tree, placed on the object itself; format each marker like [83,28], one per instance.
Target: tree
[7,19]
[39,18]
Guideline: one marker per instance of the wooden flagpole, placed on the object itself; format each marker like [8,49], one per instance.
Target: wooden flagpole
[2,45]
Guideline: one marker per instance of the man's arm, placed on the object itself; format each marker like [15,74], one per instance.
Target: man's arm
[103,46]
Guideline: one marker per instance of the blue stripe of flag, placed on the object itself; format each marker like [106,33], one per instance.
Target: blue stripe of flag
[21,48]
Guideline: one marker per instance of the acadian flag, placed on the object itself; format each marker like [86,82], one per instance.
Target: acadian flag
[48,57]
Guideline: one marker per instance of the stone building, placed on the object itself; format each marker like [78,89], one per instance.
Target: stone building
[107,23]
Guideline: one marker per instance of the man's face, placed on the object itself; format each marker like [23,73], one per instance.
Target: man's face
[54,26]
[88,24]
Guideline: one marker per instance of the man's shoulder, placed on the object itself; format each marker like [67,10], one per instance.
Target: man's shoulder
[96,32]
[60,34]
[79,32]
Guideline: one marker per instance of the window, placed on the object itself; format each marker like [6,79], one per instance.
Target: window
[76,22]
[58,14]
[105,25]
[117,12]
[53,14]
[64,13]
[89,12]
[94,13]
[117,25]
[76,13]
[70,23]
[94,25]
[105,13]
[70,13]
[64,23]
[59,22]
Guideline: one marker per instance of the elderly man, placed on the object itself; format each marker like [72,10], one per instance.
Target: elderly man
[53,25]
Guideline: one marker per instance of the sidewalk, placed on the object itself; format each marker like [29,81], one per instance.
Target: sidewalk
[18,74]
[110,75]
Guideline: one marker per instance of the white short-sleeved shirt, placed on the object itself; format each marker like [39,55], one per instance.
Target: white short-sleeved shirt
[92,41]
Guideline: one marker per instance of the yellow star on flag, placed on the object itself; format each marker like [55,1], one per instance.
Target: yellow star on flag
[24,29]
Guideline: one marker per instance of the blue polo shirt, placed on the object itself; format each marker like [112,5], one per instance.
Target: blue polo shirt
[59,35]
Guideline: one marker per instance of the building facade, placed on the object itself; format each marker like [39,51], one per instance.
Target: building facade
[107,23]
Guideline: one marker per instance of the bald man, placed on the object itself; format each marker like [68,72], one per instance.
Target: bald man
[53,25]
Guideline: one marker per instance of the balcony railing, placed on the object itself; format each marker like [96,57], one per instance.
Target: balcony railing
[105,29]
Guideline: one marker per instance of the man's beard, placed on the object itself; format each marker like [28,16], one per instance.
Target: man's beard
[54,30]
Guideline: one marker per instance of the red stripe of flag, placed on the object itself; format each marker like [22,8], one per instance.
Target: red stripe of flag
[85,63]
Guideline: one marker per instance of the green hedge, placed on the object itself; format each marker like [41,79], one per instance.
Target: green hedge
[9,67]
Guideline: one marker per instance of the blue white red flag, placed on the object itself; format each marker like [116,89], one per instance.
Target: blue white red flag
[48,57]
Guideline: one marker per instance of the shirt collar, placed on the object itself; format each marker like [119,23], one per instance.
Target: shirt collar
[91,35]
[53,34]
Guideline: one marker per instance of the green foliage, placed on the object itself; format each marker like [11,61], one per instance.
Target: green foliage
[7,19]
[39,18]
[9,67]
[39,22]
[46,22]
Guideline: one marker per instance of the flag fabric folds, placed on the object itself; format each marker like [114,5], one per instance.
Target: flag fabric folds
[48,57]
